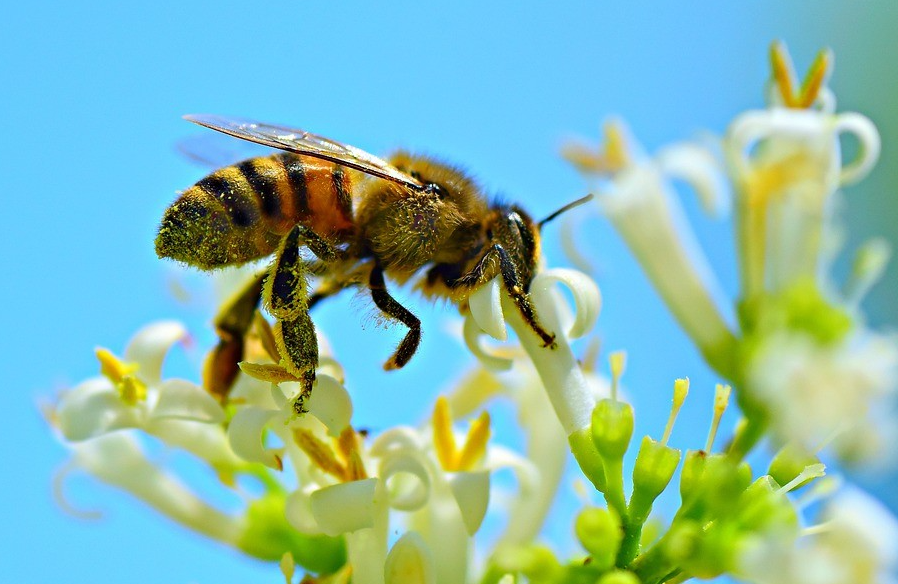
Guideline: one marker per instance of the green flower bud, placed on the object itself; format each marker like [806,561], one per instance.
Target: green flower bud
[693,469]
[584,451]
[619,577]
[268,536]
[599,532]
[789,462]
[763,505]
[612,428]
[655,466]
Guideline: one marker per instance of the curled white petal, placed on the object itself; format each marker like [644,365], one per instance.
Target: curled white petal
[245,436]
[330,403]
[407,480]
[473,336]
[398,438]
[149,346]
[486,309]
[187,401]
[587,298]
[698,167]
[94,408]
[868,139]
[471,491]
[345,507]
[409,562]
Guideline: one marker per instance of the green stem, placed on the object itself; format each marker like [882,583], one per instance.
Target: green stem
[614,487]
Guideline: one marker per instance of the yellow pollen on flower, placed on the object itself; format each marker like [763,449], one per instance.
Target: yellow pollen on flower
[319,453]
[452,458]
[681,390]
[131,389]
[618,361]
[784,76]
[721,401]
[613,156]
[348,444]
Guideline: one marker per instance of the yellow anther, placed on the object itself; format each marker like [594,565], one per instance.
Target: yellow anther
[475,444]
[319,453]
[112,367]
[288,567]
[348,444]
[611,157]
[443,438]
[131,389]
[681,390]
[618,361]
[721,401]
[452,458]
[785,79]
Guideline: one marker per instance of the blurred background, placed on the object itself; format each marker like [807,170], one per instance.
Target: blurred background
[93,94]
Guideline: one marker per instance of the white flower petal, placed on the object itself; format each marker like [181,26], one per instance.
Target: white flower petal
[400,437]
[95,408]
[406,478]
[471,491]
[698,167]
[149,346]
[299,511]
[245,436]
[473,336]
[345,507]
[486,309]
[209,442]
[409,562]
[330,403]
[587,298]
[184,400]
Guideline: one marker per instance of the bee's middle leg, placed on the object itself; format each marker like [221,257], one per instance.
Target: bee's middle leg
[286,296]
[393,309]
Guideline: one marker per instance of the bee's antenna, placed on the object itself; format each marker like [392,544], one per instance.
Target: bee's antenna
[567,207]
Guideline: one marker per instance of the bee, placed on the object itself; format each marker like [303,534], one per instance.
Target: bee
[364,219]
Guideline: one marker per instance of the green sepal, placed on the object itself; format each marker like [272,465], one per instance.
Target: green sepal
[268,536]
[655,466]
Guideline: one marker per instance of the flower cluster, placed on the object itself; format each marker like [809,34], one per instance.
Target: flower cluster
[403,506]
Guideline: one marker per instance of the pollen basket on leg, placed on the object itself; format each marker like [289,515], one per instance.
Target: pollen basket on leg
[286,293]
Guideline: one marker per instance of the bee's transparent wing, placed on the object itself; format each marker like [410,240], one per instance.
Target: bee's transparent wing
[302,142]
[215,151]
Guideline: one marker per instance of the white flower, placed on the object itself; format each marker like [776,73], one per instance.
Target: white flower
[638,199]
[132,394]
[856,544]
[815,393]
[786,163]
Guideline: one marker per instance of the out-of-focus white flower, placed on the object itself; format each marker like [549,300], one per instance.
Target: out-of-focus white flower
[857,543]
[132,394]
[815,393]
[786,164]
[635,193]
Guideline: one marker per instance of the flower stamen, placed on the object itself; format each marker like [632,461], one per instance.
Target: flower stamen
[784,76]
[618,361]
[451,457]
[681,390]
[721,401]
[131,389]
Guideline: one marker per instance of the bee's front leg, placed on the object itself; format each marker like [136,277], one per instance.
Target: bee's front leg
[393,309]
[480,273]
[286,298]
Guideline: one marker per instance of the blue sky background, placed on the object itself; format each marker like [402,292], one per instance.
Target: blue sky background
[92,96]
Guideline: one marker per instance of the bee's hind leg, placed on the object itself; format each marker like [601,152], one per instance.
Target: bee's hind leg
[479,275]
[286,298]
[389,306]
[232,322]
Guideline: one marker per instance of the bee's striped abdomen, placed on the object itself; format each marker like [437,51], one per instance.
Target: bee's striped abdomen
[238,213]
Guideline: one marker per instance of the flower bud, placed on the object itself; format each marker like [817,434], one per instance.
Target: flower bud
[268,536]
[619,577]
[599,532]
[790,462]
[655,466]
[612,428]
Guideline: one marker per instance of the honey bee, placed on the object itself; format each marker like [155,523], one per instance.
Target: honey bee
[363,218]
